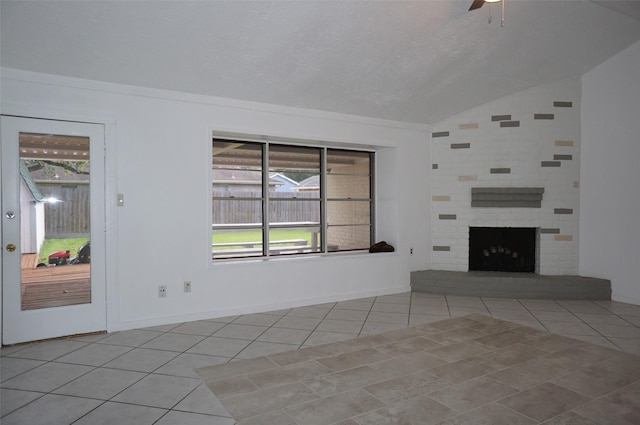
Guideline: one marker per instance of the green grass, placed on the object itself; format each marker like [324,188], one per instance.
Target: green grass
[51,245]
[256,235]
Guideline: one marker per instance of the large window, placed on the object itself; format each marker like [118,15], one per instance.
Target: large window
[272,199]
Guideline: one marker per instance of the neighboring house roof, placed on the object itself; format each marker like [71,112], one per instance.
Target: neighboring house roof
[31,184]
[309,184]
[283,178]
[287,183]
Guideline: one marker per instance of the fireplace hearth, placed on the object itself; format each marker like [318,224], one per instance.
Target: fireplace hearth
[502,249]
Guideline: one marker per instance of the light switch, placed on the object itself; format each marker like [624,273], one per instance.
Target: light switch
[120,200]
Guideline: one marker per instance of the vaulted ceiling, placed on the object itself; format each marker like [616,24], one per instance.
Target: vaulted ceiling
[411,61]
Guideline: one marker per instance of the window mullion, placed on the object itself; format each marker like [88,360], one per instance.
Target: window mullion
[323,200]
[265,200]
[372,197]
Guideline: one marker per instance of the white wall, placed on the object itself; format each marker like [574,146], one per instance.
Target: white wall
[158,156]
[610,194]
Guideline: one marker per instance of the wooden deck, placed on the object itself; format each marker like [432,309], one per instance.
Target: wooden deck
[28,261]
[54,286]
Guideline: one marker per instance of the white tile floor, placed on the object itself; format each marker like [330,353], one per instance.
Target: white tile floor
[146,376]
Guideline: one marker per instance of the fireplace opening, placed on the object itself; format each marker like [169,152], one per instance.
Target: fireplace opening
[502,249]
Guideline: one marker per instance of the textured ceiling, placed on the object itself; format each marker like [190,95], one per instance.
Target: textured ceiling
[414,61]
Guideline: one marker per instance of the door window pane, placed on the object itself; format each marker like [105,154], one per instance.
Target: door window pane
[54,220]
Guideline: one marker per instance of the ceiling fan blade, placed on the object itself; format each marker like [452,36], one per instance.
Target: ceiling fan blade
[477,4]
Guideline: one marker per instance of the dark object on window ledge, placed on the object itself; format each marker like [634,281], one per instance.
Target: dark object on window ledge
[381,247]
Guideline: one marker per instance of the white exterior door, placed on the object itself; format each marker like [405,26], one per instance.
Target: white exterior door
[53,229]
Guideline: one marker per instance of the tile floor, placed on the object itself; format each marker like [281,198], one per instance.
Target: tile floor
[146,376]
[472,369]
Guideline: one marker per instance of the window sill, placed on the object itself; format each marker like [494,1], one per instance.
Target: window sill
[304,257]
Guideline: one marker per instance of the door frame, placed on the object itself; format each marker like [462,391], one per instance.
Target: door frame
[108,208]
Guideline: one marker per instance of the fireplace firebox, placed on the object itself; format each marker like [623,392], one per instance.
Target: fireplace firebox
[502,249]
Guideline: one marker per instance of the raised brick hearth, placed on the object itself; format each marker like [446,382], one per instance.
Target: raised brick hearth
[510,285]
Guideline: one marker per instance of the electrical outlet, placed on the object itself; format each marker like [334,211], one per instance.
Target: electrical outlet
[162,291]
[187,286]
[410,251]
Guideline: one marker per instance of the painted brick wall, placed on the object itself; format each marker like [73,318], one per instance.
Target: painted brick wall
[526,140]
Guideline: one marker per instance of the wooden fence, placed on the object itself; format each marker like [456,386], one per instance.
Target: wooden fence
[71,217]
[282,208]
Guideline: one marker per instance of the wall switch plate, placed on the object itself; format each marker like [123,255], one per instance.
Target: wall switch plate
[187,286]
[120,200]
[162,291]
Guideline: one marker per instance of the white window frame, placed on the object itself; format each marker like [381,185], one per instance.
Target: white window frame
[265,199]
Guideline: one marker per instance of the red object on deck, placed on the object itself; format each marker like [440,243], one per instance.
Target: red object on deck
[60,254]
[59,257]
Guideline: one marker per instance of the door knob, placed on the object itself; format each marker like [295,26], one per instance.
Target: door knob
[11,247]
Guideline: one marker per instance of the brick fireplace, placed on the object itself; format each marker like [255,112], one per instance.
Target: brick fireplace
[511,163]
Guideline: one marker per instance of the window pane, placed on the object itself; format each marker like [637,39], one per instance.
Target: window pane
[345,238]
[237,153]
[237,199]
[230,243]
[294,169]
[345,186]
[233,212]
[294,240]
[348,174]
[348,212]
[237,169]
[348,194]
[348,162]
[294,211]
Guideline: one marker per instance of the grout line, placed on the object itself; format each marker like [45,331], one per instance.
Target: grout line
[532,315]
[598,332]
[25,405]
[319,323]
[622,318]
[486,307]
[250,342]
[95,408]
[368,314]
